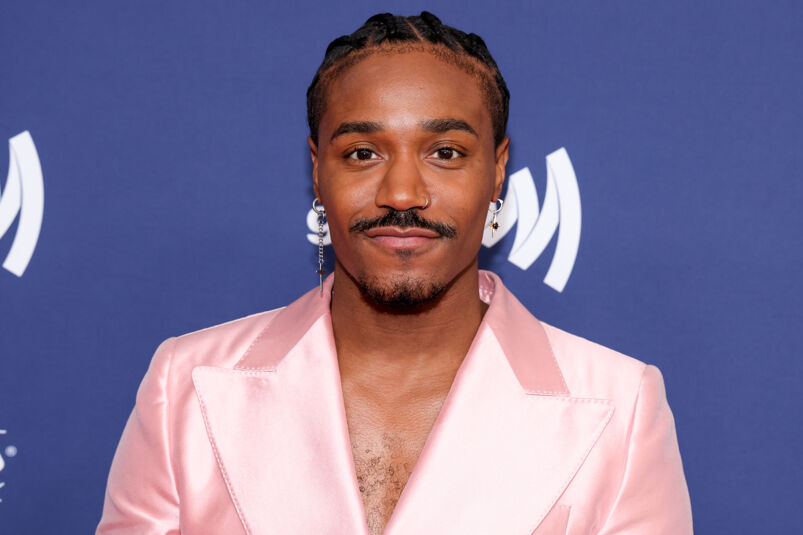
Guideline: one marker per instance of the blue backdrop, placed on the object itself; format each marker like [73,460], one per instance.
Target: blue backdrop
[172,145]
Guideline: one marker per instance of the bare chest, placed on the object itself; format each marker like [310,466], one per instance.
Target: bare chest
[383,463]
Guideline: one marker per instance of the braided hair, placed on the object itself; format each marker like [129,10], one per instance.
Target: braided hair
[395,33]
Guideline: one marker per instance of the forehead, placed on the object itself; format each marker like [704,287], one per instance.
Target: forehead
[399,88]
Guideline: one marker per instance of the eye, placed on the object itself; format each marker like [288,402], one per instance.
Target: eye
[447,153]
[362,154]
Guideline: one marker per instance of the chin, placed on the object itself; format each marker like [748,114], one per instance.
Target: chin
[400,290]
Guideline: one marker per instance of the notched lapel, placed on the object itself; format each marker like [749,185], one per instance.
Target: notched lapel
[498,458]
[509,438]
[508,441]
[281,441]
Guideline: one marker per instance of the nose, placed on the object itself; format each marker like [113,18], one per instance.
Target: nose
[402,186]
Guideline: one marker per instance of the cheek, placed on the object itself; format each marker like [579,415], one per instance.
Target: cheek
[338,182]
[345,205]
[476,221]
[346,199]
[469,200]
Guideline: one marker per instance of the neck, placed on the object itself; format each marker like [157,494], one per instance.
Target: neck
[405,349]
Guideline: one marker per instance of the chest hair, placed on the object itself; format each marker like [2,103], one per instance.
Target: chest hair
[383,465]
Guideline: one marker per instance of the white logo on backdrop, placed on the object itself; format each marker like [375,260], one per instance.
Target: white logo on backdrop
[536,225]
[24,193]
[9,451]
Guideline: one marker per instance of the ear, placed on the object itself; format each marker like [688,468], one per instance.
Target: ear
[313,152]
[501,163]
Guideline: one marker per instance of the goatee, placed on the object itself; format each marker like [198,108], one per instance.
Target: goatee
[399,292]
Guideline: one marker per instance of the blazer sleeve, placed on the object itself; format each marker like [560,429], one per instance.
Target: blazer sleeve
[141,494]
[653,497]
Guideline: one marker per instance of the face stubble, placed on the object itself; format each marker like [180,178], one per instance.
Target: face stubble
[401,291]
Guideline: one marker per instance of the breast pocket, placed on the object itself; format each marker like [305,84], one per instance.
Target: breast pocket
[556,521]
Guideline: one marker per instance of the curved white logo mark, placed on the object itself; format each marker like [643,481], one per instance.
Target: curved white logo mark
[9,451]
[536,226]
[24,193]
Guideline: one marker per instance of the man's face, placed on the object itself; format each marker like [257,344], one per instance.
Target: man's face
[402,131]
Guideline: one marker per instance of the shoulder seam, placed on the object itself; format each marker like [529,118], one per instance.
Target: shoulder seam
[235,320]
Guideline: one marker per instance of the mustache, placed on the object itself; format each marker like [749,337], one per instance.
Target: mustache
[404,219]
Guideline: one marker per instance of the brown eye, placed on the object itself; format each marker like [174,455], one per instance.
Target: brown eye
[447,154]
[361,154]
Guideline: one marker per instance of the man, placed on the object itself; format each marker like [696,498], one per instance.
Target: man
[411,393]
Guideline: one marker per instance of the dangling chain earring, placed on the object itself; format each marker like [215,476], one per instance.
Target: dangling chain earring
[321,218]
[494,224]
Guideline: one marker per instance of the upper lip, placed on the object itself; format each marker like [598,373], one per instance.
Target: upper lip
[397,232]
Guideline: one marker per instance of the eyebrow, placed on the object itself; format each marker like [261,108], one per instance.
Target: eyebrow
[356,127]
[444,125]
[430,125]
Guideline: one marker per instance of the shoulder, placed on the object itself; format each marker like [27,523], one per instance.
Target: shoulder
[635,465]
[222,345]
[219,345]
[592,370]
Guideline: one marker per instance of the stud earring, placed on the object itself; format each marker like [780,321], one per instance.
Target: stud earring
[494,224]
[319,209]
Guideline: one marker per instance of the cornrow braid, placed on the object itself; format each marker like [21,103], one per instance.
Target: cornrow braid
[467,51]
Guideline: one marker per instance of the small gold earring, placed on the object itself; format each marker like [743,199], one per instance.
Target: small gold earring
[494,224]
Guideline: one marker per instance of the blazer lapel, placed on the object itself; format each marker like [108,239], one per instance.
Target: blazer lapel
[278,428]
[507,442]
[509,437]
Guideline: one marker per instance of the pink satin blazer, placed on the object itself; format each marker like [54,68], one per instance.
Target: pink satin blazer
[241,429]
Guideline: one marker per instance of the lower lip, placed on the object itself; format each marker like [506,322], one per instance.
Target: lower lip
[398,242]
